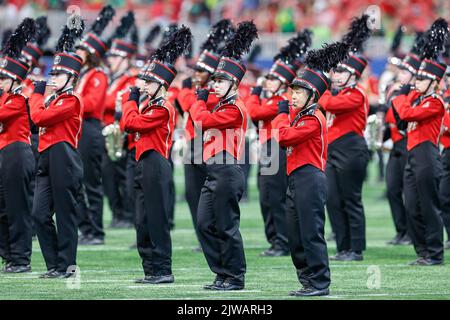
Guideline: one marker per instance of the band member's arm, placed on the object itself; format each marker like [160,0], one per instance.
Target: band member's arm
[341,102]
[228,117]
[260,111]
[94,93]
[424,111]
[133,121]
[44,117]
[289,136]
[13,106]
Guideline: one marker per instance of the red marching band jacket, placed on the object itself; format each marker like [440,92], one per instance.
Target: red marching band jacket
[186,98]
[264,111]
[396,136]
[346,112]
[445,138]
[425,117]
[14,124]
[113,93]
[153,125]
[223,128]
[92,88]
[60,121]
[306,140]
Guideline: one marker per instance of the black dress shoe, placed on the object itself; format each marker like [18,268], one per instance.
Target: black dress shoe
[217,283]
[17,268]
[267,251]
[340,256]
[354,256]
[51,274]
[405,240]
[91,241]
[310,292]
[5,265]
[396,240]
[156,279]
[229,286]
[426,262]
[275,253]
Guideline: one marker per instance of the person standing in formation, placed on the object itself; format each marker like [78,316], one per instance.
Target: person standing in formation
[348,154]
[92,87]
[16,157]
[224,128]
[153,122]
[194,167]
[424,111]
[60,169]
[444,186]
[272,178]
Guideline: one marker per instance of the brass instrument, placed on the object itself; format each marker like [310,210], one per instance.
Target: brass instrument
[114,137]
[374,131]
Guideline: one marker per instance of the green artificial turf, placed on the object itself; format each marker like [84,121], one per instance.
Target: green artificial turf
[107,272]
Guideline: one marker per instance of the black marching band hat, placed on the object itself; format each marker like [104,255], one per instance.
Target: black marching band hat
[356,37]
[160,68]
[230,66]
[318,62]
[13,65]
[65,60]
[435,38]
[123,39]
[33,51]
[92,41]
[286,61]
[210,51]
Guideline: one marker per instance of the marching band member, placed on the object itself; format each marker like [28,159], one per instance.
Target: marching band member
[424,111]
[224,130]
[60,169]
[444,187]
[272,178]
[194,168]
[305,137]
[92,87]
[348,154]
[121,78]
[16,157]
[154,124]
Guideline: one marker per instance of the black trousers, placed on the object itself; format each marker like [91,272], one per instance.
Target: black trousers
[445,190]
[172,194]
[194,177]
[114,185]
[246,168]
[346,169]
[92,148]
[306,197]
[218,221]
[130,198]
[272,193]
[16,171]
[152,207]
[58,192]
[422,176]
[394,181]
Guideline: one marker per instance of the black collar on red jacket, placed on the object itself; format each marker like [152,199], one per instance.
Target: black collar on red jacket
[309,111]
[230,100]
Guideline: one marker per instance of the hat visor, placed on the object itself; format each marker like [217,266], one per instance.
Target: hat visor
[223,76]
[4,75]
[421,76]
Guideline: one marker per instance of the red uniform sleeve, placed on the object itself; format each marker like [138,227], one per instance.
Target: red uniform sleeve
[228,117]
[261,110]
[44,117]
[342,102]
[423,111]
[289,136]
[447,121]
[186,98]
[94,92]
[13,106]
[133,121]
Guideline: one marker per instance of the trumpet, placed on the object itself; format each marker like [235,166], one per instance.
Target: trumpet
[114,137]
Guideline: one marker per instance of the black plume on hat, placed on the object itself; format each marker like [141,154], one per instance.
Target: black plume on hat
[397,41]
[296,47]
[219,32]
[358,34]
[126,22]
[240,42]
[5,36]
[435,39]
[174,46]
[152,34]
[104,17]
[167,33]
[19,38]
[328,57]
[43,32]
[134,35]
[72,31]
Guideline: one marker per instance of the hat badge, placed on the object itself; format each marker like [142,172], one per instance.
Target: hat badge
[221,65]
[4,63]
[152,66]
[57,60]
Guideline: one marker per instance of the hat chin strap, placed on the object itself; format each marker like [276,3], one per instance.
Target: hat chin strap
[69,76]
[309,98]
[228,91]
[154,96]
